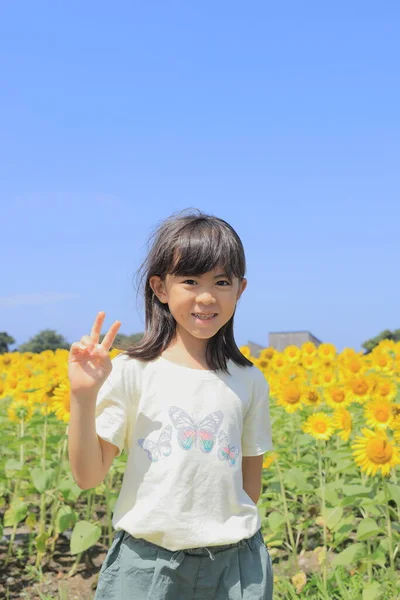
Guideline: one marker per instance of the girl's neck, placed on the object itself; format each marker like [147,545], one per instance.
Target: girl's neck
[186,353]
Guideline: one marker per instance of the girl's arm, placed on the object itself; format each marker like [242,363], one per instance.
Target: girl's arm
[251,471]
[90,456]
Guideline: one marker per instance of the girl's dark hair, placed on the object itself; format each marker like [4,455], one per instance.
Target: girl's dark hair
[189,244]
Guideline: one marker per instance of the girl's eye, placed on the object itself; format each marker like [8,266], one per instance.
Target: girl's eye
[190,281]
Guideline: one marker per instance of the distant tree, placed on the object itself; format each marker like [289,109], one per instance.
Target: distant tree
[48,339]
[369,345]
[123,340]
[5,341]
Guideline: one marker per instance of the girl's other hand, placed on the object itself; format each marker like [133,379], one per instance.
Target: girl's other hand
[89,363]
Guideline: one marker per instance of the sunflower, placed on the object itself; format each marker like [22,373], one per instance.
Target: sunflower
[61,402]
[379,414]
[342,421]
[326,352]
[346,355]
[279,362]
[354,365]
[19,410]
[274,383]
[308,349]
[375,452]
[319,425]
[291,372]
[383,362]
[269,458]
[312,397]
[245,350]
[328,377]
[359,388]
[337,395]
[292,353]
[311,363]
[261,363]
[267,353]
[290,396]
[385,388]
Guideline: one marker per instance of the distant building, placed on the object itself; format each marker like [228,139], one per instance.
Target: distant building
[281,339]
[255,349]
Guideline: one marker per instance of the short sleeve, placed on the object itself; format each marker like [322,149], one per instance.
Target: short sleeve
[114,407]
[257,430]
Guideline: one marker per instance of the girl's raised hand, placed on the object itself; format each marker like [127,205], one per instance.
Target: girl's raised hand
[89,363]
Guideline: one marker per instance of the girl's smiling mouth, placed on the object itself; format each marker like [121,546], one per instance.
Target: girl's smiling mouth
[204,317]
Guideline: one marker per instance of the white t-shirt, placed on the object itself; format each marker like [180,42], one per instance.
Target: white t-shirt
[185,431]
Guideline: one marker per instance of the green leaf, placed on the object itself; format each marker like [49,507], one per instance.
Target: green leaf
[394,491]
[275,520]
[41,479]
[296,478]
[348,556]
[369,505]
[41,542]
[367,528]
[31,520]
[372,591]
[12,466]
[356,490]
[16,513]
[84,536]
[65,518]
[69,489]
[333,516]
[378,557]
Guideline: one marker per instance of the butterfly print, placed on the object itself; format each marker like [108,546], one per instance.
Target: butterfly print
[161,448]
[225,451]
[189,431]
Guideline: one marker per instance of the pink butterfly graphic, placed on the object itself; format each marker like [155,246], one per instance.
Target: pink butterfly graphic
[225,451]
[155,450]
[189,431]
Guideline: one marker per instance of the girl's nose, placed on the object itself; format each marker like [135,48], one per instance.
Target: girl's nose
[205,298]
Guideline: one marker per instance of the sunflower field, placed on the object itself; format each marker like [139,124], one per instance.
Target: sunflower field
[330,502]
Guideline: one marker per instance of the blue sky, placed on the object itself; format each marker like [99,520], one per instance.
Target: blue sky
[281,118]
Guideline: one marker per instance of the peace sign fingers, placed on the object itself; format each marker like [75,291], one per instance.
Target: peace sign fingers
[110,336]
[97,325]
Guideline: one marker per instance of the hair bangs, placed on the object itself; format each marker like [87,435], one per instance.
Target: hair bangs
[205,247]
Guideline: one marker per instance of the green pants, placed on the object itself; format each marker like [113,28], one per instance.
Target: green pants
[135,569]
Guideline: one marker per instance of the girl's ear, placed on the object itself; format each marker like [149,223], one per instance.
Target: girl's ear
[158,287]
[242,287]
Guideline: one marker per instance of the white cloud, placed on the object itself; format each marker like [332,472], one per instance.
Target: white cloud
[39,298]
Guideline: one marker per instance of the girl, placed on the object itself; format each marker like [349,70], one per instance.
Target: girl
[193,415]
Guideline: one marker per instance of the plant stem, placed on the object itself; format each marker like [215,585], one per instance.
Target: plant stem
[286,512]
[323,511]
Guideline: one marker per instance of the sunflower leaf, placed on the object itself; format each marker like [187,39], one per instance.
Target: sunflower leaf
[367,528]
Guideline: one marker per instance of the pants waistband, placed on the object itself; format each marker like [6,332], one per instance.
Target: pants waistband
[179,555]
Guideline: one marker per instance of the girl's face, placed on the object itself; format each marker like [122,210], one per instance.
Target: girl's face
[201,304]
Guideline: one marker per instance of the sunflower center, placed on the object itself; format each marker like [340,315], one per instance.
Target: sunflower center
[379,451]
[312,396]
[354,366]
[338,396]
[360,388]
[320,426]
[292,395]
[382,414]
[384,389]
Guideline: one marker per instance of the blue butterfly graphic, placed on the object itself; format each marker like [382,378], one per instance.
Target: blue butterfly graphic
[225,451]
[161,448]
